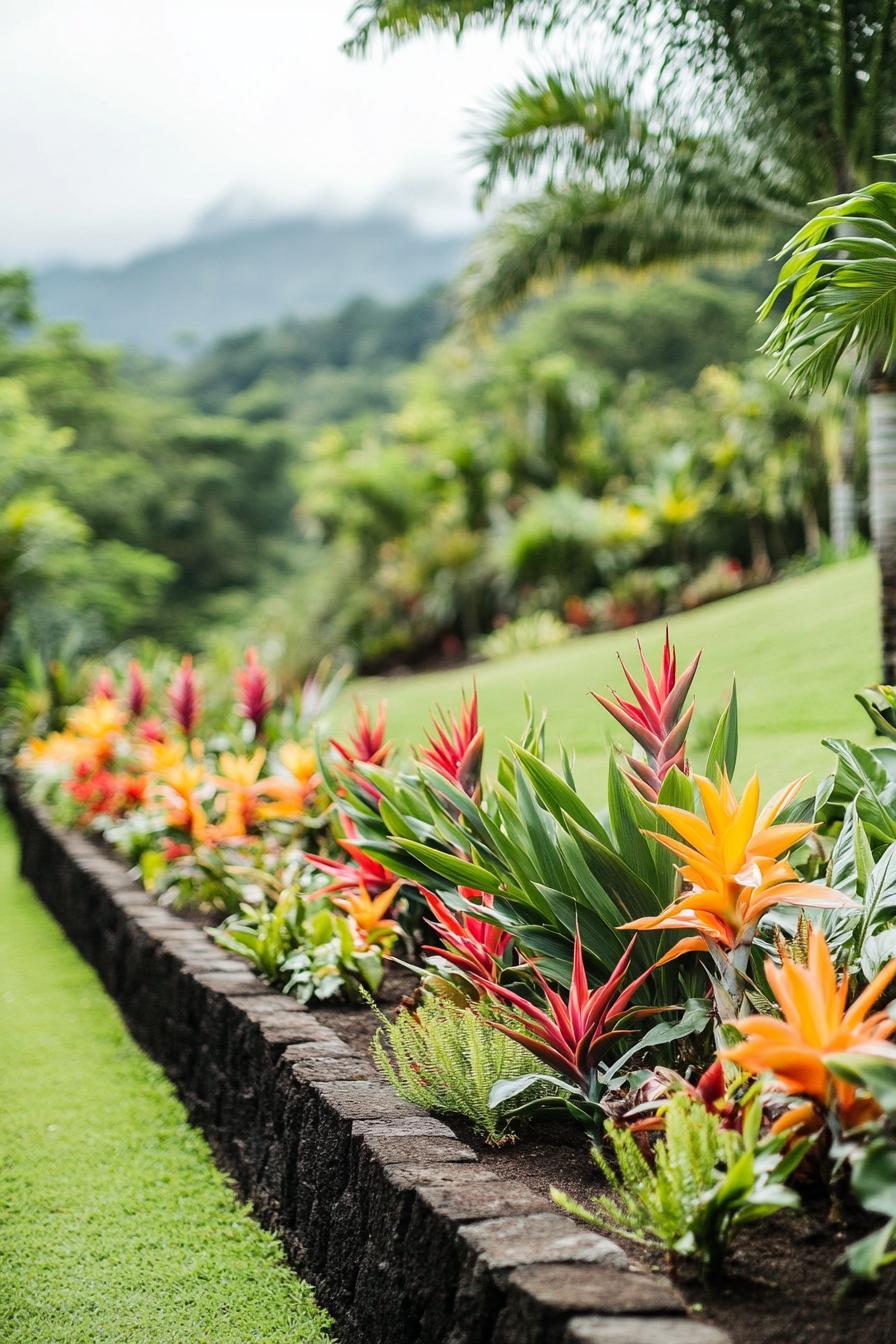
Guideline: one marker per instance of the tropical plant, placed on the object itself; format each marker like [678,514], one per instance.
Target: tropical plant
[870,1154]
[742,126]
[704,1183]
[574,1036]
[657,720]
[734,873]
[840,273]
[539,630]
[448,1057]
[816,1021]
[305,948]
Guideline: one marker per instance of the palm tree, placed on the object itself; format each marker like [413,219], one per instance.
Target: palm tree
[840,273]
[755,108]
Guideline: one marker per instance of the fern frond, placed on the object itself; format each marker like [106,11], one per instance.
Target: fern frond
[447,1059]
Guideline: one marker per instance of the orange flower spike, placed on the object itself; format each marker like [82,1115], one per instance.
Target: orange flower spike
[733,866]
[367,911]
[816,1023]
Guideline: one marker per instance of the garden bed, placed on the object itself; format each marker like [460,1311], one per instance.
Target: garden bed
[409,1229]
[406,1233]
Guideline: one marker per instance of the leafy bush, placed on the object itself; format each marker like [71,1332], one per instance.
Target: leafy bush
[704,1184]
[448,1058]
[540,630]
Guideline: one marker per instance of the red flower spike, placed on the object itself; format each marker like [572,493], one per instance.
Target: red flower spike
[254,699]
[571,1035]
[367,745]
[138,691]
[455,746]
[184,697]
[350,876]
[103,687]
[656,719]
[472,945]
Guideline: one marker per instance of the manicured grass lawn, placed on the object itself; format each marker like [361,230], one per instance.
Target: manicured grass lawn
[800,650]
[115,1226]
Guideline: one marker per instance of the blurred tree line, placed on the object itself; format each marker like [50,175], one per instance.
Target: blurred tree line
[380,486]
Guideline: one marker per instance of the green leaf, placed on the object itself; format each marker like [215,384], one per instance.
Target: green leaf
[876,1073]
[867,1256]
[459,871]
[628,816]
[505,1089]
[696,1014]
[722,753]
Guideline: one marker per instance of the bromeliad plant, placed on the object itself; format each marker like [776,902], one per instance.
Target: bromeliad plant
[733,873]
[572,1034]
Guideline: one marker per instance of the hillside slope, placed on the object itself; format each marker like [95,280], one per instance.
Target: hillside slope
[217,282]
[799,648]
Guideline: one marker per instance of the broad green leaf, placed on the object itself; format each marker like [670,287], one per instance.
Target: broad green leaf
[628,816]
[722,753]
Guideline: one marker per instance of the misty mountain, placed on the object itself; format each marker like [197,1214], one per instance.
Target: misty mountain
[224,279]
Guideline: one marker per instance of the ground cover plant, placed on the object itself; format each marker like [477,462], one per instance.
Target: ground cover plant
[695,975]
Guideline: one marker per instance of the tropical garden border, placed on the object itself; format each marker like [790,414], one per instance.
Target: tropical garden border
[367,1192]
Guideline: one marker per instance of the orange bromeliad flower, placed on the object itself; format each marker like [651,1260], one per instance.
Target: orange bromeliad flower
[816,1023]
[733,867]
[366,913]
[289,792]
[179,788]
[241,789]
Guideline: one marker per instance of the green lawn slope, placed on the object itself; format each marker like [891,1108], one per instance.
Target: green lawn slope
[799,649]
[116,1226]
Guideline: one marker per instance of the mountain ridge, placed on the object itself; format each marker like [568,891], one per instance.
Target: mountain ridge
[191,292]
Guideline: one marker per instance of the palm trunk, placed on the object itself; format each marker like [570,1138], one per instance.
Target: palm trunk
[843,495]
[882,495]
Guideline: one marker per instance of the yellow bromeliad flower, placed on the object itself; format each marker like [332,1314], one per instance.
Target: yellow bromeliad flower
[55,749]
[289,792]
[241,790]
[816,1022]
[733,870]
[100,718]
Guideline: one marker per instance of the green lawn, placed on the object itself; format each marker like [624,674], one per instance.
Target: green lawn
[799,648]
[115,1226]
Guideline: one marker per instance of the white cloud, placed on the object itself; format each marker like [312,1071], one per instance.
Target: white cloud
[120,120]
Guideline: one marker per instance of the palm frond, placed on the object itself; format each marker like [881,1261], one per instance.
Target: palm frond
[402,19]
[560,232]
[840,271]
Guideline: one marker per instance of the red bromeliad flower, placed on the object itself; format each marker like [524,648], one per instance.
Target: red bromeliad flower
[152,730]
[655,720]
[367,745]
[254,700]
[138,691]
[362,870]
[571,1036]
[184,696]
[455,746]
[470,944]
[103,687]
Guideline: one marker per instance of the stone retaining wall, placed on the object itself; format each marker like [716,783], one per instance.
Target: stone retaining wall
[405,1236]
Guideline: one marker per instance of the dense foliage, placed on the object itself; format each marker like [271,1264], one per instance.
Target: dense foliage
[649,972]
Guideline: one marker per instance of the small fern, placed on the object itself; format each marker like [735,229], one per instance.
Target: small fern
[447,1058]
[704,1183]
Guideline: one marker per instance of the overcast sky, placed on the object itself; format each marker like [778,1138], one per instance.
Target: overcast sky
[120,120]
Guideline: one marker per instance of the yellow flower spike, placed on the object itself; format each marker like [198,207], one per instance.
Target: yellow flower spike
[733,872]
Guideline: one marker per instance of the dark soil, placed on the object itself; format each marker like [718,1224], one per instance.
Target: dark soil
[782,1284]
